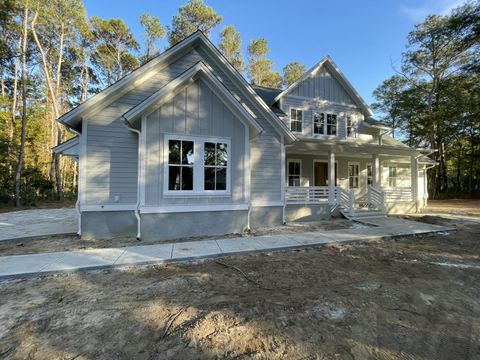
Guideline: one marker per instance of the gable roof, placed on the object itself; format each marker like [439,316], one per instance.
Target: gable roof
[74,117]
[169,91]
[327,61]
[267,95]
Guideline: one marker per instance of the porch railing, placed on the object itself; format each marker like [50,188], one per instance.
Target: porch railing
[398,194]
[306,194]
[377,198]
[346,199]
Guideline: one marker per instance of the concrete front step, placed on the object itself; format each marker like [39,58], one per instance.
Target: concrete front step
[361,214]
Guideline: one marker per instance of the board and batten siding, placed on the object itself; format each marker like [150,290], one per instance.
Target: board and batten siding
[108,139]
[311,106]
[323,85]
[195,111]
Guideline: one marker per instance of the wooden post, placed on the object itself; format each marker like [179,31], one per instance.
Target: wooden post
[414,179]
[331,178]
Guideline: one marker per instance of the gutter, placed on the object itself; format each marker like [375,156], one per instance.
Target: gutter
[137,205]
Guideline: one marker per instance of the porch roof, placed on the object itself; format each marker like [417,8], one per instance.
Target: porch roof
[314,146]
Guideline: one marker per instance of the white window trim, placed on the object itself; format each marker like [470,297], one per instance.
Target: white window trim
[358,176]
[355,122]
[198,166]
[325,126]
[299,161]
[390,165]
[290,119]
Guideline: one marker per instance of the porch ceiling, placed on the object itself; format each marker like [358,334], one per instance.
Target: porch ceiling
[347,148]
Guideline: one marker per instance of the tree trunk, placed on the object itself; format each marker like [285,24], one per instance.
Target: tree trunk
[21,153]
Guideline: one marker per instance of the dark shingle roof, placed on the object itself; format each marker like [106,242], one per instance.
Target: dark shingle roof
[268,95]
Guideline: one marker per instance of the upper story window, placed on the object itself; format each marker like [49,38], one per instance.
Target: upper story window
[296,120]
[319,123]
[351,127]
[322,127]
[331,124]
[294,172]
[197,165]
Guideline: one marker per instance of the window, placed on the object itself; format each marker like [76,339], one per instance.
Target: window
[351,127]
[294,172]
[392,176]
[196,165]
[331,124]
[180,165]
[369,174]
[353,170]
[296,120]
[215,159]
[318,123]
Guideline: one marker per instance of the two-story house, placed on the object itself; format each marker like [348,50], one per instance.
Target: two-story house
[184,146]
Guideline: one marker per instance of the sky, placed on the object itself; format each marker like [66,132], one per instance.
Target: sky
[364,38]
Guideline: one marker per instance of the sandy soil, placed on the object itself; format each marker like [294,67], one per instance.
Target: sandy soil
[412,298]
[462,206]
[68,243]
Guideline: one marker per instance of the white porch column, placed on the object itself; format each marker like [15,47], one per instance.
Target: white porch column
[376,170]
[331,178]
[414,178]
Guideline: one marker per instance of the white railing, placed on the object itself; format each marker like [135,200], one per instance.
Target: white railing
[377,198]
[398,194]
[346,199]
[306,194]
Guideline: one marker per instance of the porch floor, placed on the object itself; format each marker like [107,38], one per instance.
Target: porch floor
[37,264]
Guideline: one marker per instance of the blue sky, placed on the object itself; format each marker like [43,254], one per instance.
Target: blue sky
[363,37]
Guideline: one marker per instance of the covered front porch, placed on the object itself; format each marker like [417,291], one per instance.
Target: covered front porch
[354,179]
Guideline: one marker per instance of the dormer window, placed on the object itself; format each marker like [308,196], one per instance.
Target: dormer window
[296,120]
[351,127]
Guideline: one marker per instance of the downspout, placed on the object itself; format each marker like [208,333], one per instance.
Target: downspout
[137,205]
[77,203]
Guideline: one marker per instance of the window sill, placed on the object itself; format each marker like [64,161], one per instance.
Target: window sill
[193,194]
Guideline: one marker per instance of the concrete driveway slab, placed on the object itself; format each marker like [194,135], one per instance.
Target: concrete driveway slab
[195,249]
[145,254]
[38,222]
[85,259]
[276,242]
[310,238]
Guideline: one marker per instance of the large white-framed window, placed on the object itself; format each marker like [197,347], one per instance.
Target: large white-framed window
[318,123]
[351,127]
[294,172]
[392,176]
[353,175]
[369,174]
[196,165]
[296,120]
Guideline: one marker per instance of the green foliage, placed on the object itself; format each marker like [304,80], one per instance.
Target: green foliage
[154,31]
[193,16]
[231,46]
[292,72]
[260,68]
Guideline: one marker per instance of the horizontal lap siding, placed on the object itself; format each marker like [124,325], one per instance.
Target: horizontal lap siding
[194,111]
[112,157]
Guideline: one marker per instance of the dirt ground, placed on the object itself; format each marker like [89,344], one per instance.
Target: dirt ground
[69,243]
[408,298]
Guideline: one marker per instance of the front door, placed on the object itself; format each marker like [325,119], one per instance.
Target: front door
[320,174]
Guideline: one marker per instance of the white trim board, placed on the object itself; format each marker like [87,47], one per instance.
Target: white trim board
[169,209]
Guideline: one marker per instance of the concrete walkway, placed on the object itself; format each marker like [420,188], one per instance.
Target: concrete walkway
[37,222]
[35,264]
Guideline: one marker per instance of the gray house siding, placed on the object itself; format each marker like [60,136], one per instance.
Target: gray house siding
[323,85]
[194,111]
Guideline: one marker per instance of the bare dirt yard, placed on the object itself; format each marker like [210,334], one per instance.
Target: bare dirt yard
[409,298]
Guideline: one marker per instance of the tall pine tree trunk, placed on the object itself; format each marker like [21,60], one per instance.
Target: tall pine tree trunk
[21,153]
